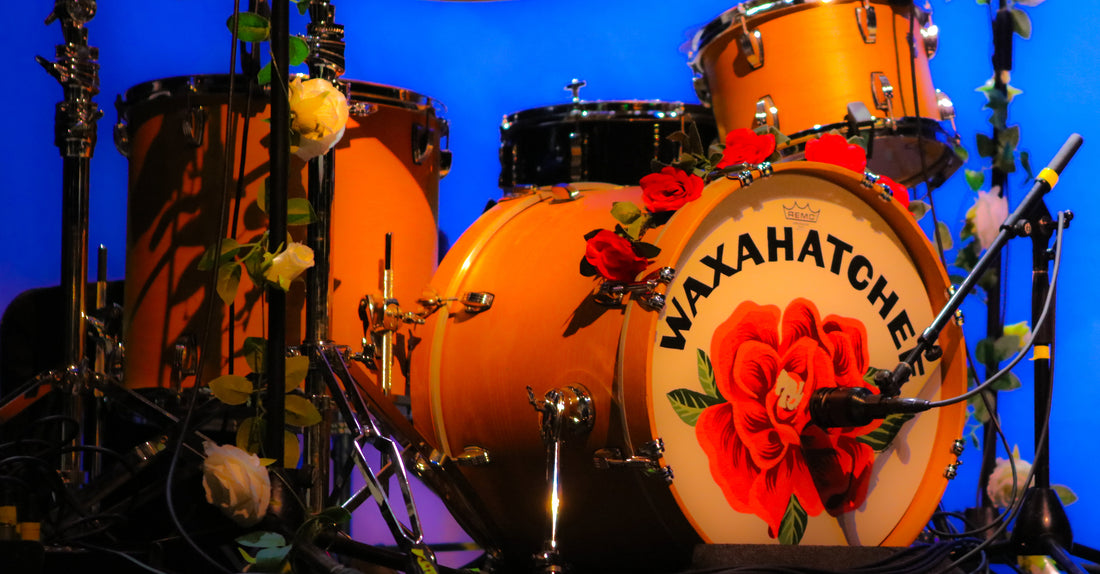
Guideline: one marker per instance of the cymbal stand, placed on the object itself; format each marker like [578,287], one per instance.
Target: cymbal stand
[567,412]
[76,69]
[326,60]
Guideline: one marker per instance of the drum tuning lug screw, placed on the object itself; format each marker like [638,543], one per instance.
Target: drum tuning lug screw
[952,470]
[958,447]
[933,353]
[477,301]
[575,87]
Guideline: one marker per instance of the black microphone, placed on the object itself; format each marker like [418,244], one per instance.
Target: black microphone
[835,407]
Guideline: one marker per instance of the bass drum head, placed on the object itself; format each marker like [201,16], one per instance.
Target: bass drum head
[802,280]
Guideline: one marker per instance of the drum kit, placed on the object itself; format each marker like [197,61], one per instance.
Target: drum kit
[558,427]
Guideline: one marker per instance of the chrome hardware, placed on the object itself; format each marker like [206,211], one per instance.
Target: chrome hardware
[766,113]
[946,106]
[446,158]
[575,87]
[867,22]
[959,317]
[644,292]
[702,90]
[566,412]
[194,120]
[184,360]
[883,94]
[765,169]
[929,31]
[473,456]
[361,109]
[477,301]
[958,447]
[422,146]
[647,460]
[752,45]
[564,193]
[952,470]
[745,177]
[122,130]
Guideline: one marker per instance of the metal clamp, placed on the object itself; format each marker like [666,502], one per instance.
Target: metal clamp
[575,87]
[644,292]
[867,22]
[752,45]
[647,460]
[766,113]
[929,32]
[883,95]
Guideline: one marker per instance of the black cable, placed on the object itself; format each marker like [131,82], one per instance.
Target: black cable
[123,555]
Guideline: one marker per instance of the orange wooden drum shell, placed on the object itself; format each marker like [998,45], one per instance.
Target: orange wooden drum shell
[470,373]
[174,200]
[815,64]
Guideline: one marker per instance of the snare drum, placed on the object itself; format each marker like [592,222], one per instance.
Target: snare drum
[388,167]
[798,64]
[806,258]
[609,141]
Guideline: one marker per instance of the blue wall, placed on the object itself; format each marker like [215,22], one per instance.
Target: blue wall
[487,59]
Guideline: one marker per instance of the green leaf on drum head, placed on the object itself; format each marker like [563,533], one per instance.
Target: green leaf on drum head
[793,525]
[250,27]
[625,212]
[887,431]
[587,269]
[647,250]
[706,375]
[689,404]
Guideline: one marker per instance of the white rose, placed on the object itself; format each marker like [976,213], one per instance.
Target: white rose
[319,114]
[1000,480]
[236,482]
[289,264]
[990,211]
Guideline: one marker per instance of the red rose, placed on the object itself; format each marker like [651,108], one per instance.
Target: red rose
[760,444]
[613,256]
[901,193]
[834,149]
[670,189]
[745,146]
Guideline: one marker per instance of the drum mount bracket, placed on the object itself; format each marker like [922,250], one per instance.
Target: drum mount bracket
[647,460]
[611,293]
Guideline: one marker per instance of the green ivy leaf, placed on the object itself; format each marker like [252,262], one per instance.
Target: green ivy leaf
[967,257]
[706,375]
[980,414]
[986,147]
[299,211]
[298,51]
[961,153]
[300,412]
[232,389]
[229,278]
[335,515]
[1021,23]
[1066,495]
[793,525]
[250,434]
[246,556]
[688,404]
[250,27]
[943,236]
[869,376]
[587,269]
[625,212]
[296,370]
[230,247]
[263,77]
[1006,346]
[647,250]
[918,208]
[975,179]
[254,349]
[262,539]
[1025,162]
[887,431]
[985,354]
[1007,382]
[271,559]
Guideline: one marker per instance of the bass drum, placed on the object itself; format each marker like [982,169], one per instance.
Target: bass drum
[798,65]
[799,280]
[388,167]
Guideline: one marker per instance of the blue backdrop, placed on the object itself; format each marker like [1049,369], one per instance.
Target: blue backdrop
[487,59]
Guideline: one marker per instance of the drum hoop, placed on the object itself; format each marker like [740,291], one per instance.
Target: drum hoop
[639,331]
[747,11]
[209,85]
[604,110]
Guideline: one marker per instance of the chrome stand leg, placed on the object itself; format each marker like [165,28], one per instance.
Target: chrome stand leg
[566,413]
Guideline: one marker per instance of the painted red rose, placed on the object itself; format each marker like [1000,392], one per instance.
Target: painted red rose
[900,192]
[834,149]
[760,444]
[613,256]
[745,146]
[669,189]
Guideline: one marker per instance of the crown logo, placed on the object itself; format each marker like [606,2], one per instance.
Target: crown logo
[801,213]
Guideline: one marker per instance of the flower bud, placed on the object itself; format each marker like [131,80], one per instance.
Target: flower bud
[236,482]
